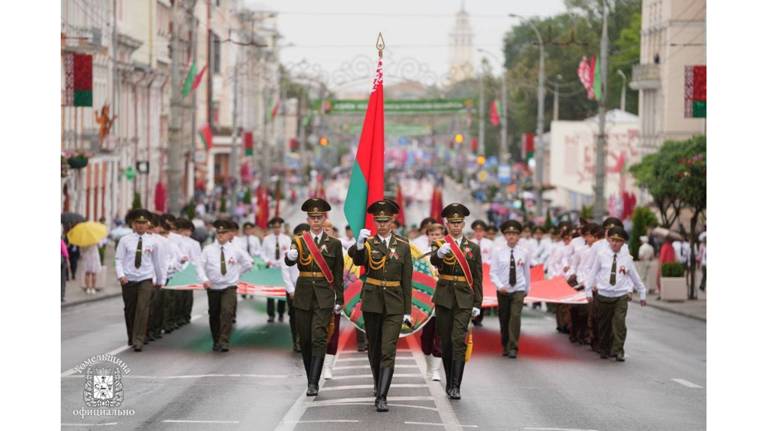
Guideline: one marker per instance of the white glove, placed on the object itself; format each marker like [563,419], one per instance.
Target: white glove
[337,309]
[475,312]
[361,237]
[444,250]
[407,318]
[292,255]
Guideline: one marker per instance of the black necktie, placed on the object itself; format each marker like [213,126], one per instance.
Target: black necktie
[317,240]
[512,269]
[137,259]
[248,244]
[277,248]
[613,271]
[223,262]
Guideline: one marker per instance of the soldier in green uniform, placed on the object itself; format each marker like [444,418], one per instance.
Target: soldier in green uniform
[386,294]
[458,296]
[319,288]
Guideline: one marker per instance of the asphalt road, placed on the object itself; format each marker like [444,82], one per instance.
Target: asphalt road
[179,383]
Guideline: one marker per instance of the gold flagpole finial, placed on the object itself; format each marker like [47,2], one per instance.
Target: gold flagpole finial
[380,44]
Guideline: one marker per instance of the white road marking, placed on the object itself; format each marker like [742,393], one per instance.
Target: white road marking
[184,421]
[368,404]
[90,425]
[555,429]
[686,383]
[119,350]
[368,367]
[365,359]
[434,424]
[444,408]
[369,400]
[328,421]
[369,376]
[294,414]
[393,385]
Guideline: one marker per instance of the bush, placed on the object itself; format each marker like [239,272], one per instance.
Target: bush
[642,219]
[672,269]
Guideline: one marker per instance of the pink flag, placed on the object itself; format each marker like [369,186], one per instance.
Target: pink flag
[586,75]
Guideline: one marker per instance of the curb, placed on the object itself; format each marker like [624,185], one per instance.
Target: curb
[85,301]
[678,312]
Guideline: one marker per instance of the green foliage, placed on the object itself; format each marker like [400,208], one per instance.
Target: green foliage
[642,220]
[672,269]
[567,38]
[136,204]
[189,210]
[586,212]
[548,221]
[247,196]
[223,204]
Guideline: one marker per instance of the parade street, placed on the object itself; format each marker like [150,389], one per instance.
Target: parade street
[179,383]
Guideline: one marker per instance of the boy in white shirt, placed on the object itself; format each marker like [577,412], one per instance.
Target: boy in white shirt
[614,275]
[221,265]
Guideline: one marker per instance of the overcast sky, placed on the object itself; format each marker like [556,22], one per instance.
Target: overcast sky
[332,32]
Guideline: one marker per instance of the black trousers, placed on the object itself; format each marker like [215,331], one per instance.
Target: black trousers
[221,309]
[271,307]
[312,328]
[510,313]
[383,331]
[291,318]
[137,297]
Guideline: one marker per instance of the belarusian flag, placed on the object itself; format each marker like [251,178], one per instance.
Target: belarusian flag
[275,108]
[367,183]
[193,79]
[493,113]
[206,135]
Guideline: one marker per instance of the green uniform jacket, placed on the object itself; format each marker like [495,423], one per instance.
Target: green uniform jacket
[305,286]
[398,267]
[449,293]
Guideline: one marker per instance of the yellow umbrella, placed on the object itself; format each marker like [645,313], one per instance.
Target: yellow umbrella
[87,233]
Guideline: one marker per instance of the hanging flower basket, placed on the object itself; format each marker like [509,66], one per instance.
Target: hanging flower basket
[78,162]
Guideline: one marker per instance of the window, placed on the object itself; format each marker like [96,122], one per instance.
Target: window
[216,53]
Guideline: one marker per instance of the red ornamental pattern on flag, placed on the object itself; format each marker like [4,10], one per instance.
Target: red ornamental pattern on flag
[586,72]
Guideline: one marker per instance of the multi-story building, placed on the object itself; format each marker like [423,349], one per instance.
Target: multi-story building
[461,63]
[673,38]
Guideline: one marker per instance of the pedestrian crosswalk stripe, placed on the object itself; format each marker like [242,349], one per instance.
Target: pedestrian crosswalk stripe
[687,383]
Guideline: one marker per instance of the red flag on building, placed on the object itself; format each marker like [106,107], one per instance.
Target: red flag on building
[493,113]
[262,202]
[160,198]
[401,204]
[206,135]
[248,143]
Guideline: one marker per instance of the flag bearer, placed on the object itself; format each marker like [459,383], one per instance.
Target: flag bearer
[140,270]
[386,294]
[319,288]
[221,265]
[615,276]
[511,274]
[458,296]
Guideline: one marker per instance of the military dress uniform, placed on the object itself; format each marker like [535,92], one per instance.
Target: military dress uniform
[315,298]
[221,265]
[511,274]
[455,300]
[615,277]
[138,259]
[386,296]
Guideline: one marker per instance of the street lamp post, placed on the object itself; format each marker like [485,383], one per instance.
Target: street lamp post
[538,150]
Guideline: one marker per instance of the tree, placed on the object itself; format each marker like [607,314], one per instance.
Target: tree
[653,173]
[642,219]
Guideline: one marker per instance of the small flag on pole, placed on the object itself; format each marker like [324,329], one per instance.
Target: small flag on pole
[206,135]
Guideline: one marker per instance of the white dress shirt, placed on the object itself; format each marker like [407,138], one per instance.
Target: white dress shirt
[559,259]
[268,248]
[237,261]
[152,265]
[250,244]
[172,255]
[581,262]
[346,243]
[500,268]
[627,278]
[486,248]
[541,251]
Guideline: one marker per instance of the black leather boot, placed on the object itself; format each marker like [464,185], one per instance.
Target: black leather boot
[448,368]
[375,372]
[313,379]
[385,379]
[456,375]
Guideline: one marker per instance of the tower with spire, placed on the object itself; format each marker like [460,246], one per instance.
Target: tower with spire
[461,47]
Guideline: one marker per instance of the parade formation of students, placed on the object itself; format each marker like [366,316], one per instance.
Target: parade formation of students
[592,258]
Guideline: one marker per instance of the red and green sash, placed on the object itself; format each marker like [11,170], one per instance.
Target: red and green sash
[315,252]
[461,259]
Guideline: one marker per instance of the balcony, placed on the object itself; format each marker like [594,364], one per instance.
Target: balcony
[645,77]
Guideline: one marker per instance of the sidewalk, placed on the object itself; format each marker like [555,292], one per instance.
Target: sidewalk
[106,281]
[693,308]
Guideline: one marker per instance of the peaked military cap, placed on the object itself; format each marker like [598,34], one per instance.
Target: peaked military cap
[477,223]
[222,226]
[426,222]
[511,226]
[383,210]
[612,222]
[248,225]
[315,206]
[455,212]
[138,215]
[618,233]
[301,227]
[275,221]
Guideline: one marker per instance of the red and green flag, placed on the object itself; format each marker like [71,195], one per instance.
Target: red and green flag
[206,135]
[193,79]
[248,143]
[78,85]
[367,183]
